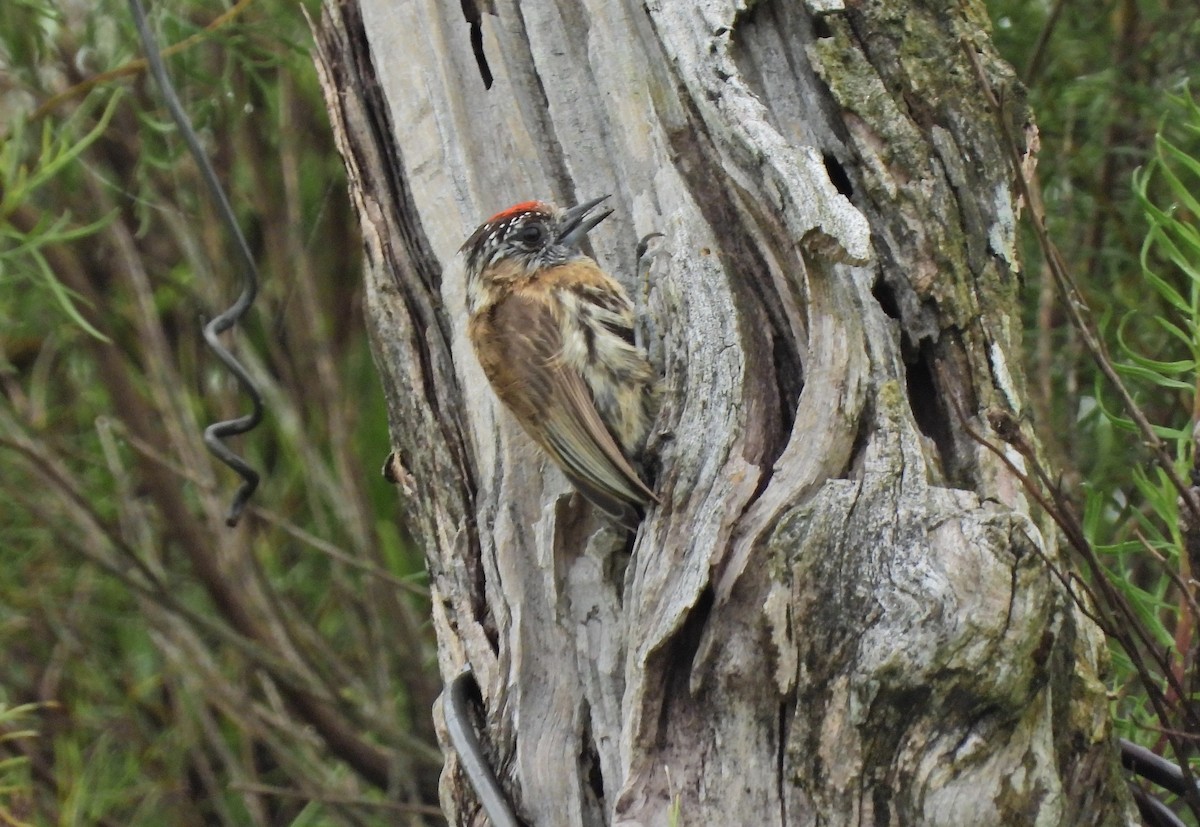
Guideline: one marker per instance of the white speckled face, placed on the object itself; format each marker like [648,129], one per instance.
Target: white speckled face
[524,233]
[529,237]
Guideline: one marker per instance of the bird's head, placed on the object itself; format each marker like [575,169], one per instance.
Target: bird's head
[527,237]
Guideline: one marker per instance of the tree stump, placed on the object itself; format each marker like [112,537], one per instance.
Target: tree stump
[842,611]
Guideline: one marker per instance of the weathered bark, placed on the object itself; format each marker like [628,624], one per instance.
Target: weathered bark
[841,614]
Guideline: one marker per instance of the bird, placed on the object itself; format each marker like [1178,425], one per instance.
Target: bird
[554,335]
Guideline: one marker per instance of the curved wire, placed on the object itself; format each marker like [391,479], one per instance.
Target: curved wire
[470,752]
[218,431]
[1153,767]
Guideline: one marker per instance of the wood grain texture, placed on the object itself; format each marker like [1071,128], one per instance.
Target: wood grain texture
[840,613]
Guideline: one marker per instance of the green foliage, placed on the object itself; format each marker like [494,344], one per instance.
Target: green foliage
[152,702]
[1120,169]
[1170,267]
[1099,84]
[158,654]
[16,784]
[675,811]
[22,260]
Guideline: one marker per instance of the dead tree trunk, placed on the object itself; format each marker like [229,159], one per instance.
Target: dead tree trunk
[841,614]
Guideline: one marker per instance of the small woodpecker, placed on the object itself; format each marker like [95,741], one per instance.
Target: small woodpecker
[555,337]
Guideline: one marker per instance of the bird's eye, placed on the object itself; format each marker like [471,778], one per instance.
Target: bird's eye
[531,234]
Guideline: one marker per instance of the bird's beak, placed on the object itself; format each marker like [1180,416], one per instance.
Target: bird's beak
[577,222]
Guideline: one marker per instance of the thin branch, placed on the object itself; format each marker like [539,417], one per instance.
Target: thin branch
[277,520]
[1034,67]
[1063,515]
[1073,300]
[330,798]
[1076,307]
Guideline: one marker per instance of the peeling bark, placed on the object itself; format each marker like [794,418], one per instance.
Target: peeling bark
[841,614]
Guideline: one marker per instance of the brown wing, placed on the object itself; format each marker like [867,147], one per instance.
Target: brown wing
[518,342]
